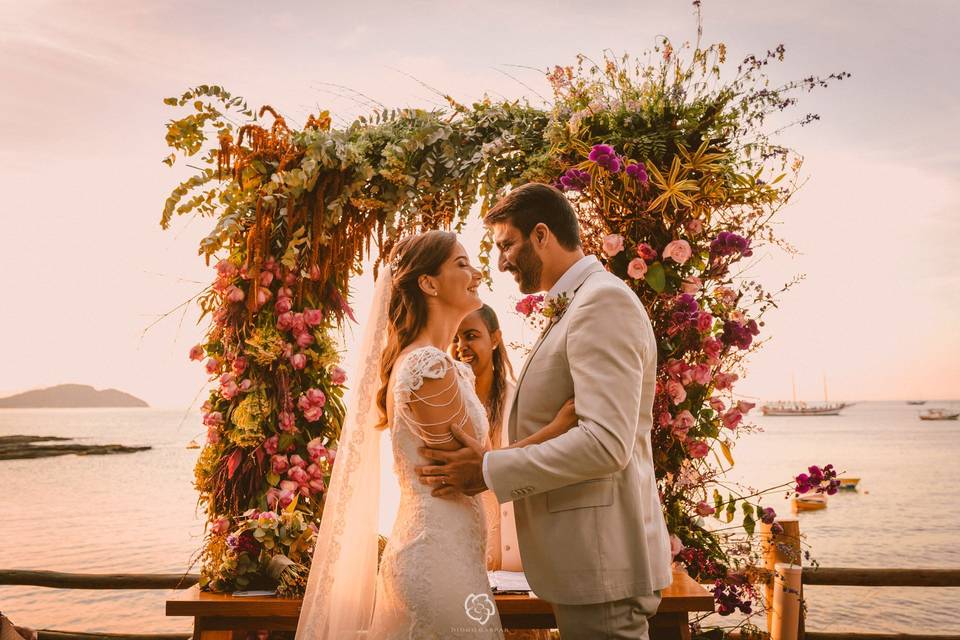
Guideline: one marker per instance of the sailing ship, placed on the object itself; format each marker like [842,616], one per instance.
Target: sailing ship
[799,408]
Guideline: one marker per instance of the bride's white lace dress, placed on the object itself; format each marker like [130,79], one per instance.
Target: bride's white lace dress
[432,581]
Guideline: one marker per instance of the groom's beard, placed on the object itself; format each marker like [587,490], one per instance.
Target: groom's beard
[529,267]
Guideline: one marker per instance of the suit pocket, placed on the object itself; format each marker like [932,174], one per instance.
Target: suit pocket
[592,493]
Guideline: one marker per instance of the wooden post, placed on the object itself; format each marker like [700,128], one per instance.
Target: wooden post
[783,548]
[785,617]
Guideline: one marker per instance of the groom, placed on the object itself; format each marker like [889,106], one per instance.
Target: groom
[589,520]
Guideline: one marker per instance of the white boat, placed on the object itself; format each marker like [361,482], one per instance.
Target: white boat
[939,414]
[803,409]
[800,408]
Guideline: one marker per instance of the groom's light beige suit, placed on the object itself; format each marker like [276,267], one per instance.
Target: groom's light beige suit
[589,520]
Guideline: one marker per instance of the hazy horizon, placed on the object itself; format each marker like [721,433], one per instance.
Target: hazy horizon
[83,127]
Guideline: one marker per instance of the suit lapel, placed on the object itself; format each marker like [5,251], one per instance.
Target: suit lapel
[533,352]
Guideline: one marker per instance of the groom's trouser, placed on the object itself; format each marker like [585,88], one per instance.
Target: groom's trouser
[619,620]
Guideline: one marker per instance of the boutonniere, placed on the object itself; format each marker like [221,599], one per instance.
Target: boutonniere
[555,306]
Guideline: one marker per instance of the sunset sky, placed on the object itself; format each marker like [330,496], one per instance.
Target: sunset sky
[88,268]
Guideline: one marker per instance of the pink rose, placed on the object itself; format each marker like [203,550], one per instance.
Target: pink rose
[646,252]
[612,244]
[246,385]
[287,421]
[694,227]
[283,305]
[725,380]
[314,272]
[297,461]
[665,419]
[213,366]
[299,324]
[737,316]
[213,419]
[196,352]
[270,444]
[263,295]
[312,414]
[701,374]
[704,509]
[698,449]
[338,376]
[675,368]
[712,347]
[731,419]
[316,449]
[691,284]
[683,423]
[331,455]
[279,464]
[298,361]
[226,269]
[265,278]
[239,365]
[304,339]
[230,390]
[717,405]
[676,392]
[285,320]
[313,317]
[704,321]
[298,475]
[285,292]
[234,293]
[317,397]
[744,407]
[213,436]
[221,526]
[289,278]
[637,268]
[679,251]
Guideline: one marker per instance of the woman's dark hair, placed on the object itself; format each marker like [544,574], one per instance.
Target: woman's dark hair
[412,257]
[528,205]
[502,372]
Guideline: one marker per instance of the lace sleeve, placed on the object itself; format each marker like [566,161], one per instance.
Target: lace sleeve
[429,409]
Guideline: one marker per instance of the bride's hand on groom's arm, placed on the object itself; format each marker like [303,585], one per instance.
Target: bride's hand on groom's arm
[459,471]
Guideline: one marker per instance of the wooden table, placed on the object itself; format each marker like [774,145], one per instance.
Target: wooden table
[217,615]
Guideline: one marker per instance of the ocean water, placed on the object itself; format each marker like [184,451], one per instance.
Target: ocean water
[137,513]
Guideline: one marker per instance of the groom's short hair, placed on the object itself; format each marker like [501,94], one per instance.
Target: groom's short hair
[528,205]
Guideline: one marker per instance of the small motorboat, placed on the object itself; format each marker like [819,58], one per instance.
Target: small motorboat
[193,445]
[814,502]
[848,484]
[939,414]
[916,402]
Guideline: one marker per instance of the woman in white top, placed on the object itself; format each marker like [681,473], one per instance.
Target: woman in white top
[479,343]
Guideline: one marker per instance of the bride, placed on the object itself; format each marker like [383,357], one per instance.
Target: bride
[431,581]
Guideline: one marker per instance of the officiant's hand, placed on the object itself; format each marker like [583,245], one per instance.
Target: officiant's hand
[459,471]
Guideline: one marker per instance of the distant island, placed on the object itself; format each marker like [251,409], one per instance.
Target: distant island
[65,396]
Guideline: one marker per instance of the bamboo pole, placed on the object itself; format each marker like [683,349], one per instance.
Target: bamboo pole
[57,580]
[785,617]
[780,548]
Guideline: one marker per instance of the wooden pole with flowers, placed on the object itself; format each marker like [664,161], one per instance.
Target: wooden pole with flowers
[675,184]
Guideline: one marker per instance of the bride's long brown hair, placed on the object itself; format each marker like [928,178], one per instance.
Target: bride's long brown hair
[412,257]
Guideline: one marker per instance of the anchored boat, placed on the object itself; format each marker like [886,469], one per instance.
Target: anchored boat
[939,414]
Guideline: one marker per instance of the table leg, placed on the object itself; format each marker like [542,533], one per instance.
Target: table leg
[201,631]
[670,626]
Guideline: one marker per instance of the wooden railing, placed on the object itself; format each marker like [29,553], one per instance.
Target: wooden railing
[785,620]
[58,580]
[822,576]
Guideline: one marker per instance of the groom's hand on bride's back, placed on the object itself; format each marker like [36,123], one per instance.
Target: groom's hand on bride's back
[454,472]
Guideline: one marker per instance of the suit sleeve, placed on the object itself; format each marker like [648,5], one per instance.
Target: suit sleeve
[606,340]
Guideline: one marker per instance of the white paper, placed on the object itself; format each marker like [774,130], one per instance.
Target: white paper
[514,581]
